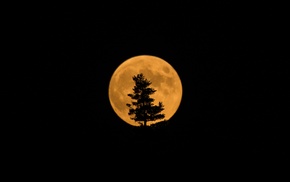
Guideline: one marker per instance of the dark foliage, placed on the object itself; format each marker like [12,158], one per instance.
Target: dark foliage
[142,108]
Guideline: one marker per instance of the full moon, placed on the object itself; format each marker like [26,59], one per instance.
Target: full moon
[163,77]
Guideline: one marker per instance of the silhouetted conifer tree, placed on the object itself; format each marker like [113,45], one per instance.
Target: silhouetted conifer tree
[142,108]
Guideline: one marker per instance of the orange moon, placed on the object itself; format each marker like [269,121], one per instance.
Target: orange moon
[164,79]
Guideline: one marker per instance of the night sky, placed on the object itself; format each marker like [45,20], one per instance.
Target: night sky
[229,60]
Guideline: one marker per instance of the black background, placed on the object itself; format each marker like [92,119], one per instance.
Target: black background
[228,56]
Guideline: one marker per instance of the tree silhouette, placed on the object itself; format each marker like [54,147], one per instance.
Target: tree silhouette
[142,108]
